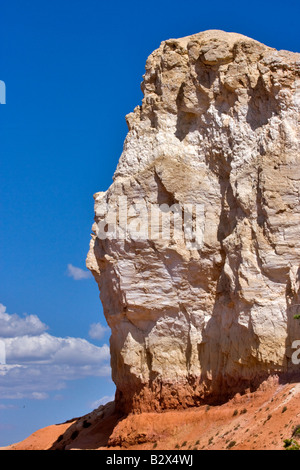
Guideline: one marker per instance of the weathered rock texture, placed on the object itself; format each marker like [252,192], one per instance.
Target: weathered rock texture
[218,126]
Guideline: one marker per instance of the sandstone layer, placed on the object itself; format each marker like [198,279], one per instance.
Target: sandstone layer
[218,131]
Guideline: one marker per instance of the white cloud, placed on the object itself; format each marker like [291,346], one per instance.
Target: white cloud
[38,363]
[39,395]
[77,273]
[97,331]
[14,325]
[6,407]
[102,401]
[30,381]
[47,349]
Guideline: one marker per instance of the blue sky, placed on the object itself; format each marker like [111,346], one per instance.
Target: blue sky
[72,71]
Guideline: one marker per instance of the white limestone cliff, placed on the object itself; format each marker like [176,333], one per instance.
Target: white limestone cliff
[218,130]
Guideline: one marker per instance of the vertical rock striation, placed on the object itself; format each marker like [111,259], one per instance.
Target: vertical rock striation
[218,129]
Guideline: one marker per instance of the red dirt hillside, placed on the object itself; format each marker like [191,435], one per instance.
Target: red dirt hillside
[260,420]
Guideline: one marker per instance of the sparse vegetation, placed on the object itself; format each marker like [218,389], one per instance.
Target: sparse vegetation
[235,413]
[197,442]
[284,409]
[244,411]
[231,444]
[291,444]
[183,444]
[268,419]
[154,445]
[296,431]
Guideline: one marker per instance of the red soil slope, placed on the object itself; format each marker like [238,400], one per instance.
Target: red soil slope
[259,420]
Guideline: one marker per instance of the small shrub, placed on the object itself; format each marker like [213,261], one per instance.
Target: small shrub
[235,413]
[284,409]
[177,446]
[244,411]
[290,444]
[231,444]
[297,317]
[183,444]
[197,443]
[296,431]
[287,443]
[294,447]
[207,408]
[154,445]
[268,419]
[210,440]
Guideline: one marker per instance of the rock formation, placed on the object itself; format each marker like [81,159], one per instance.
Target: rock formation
[206,309]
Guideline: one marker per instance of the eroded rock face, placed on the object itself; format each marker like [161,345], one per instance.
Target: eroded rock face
[218,128]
